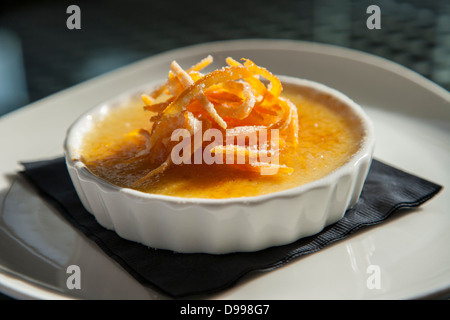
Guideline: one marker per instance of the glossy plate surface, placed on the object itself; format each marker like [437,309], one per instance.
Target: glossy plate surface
[411,116]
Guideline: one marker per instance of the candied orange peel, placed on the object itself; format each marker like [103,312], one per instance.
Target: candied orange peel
[233,99]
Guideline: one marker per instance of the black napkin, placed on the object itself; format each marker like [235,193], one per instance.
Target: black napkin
[177,275]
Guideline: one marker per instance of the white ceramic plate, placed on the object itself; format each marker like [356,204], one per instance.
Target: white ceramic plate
[412,123]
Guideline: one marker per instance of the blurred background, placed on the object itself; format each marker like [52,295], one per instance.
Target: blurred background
[39,55]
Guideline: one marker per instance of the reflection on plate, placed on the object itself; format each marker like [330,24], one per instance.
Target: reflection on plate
[36,245]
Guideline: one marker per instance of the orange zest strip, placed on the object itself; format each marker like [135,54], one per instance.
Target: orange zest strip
[187,81]
[256,84]
[232,99]
[202,64]
[147,100]
[212,78]
[275,87]
[156,107]
[160,169]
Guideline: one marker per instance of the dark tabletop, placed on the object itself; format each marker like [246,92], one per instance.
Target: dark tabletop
[42,56]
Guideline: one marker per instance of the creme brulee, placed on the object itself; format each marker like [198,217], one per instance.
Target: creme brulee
[327,138]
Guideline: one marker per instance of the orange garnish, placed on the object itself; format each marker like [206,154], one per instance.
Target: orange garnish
[232,99]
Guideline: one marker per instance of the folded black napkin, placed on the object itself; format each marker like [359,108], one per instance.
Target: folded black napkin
[177,275]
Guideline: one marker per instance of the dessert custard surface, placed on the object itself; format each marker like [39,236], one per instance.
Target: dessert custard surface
[327,138]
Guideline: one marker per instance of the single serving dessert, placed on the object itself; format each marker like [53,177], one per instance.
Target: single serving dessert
[237,131]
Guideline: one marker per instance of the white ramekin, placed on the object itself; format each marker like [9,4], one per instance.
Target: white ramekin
[219,226]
